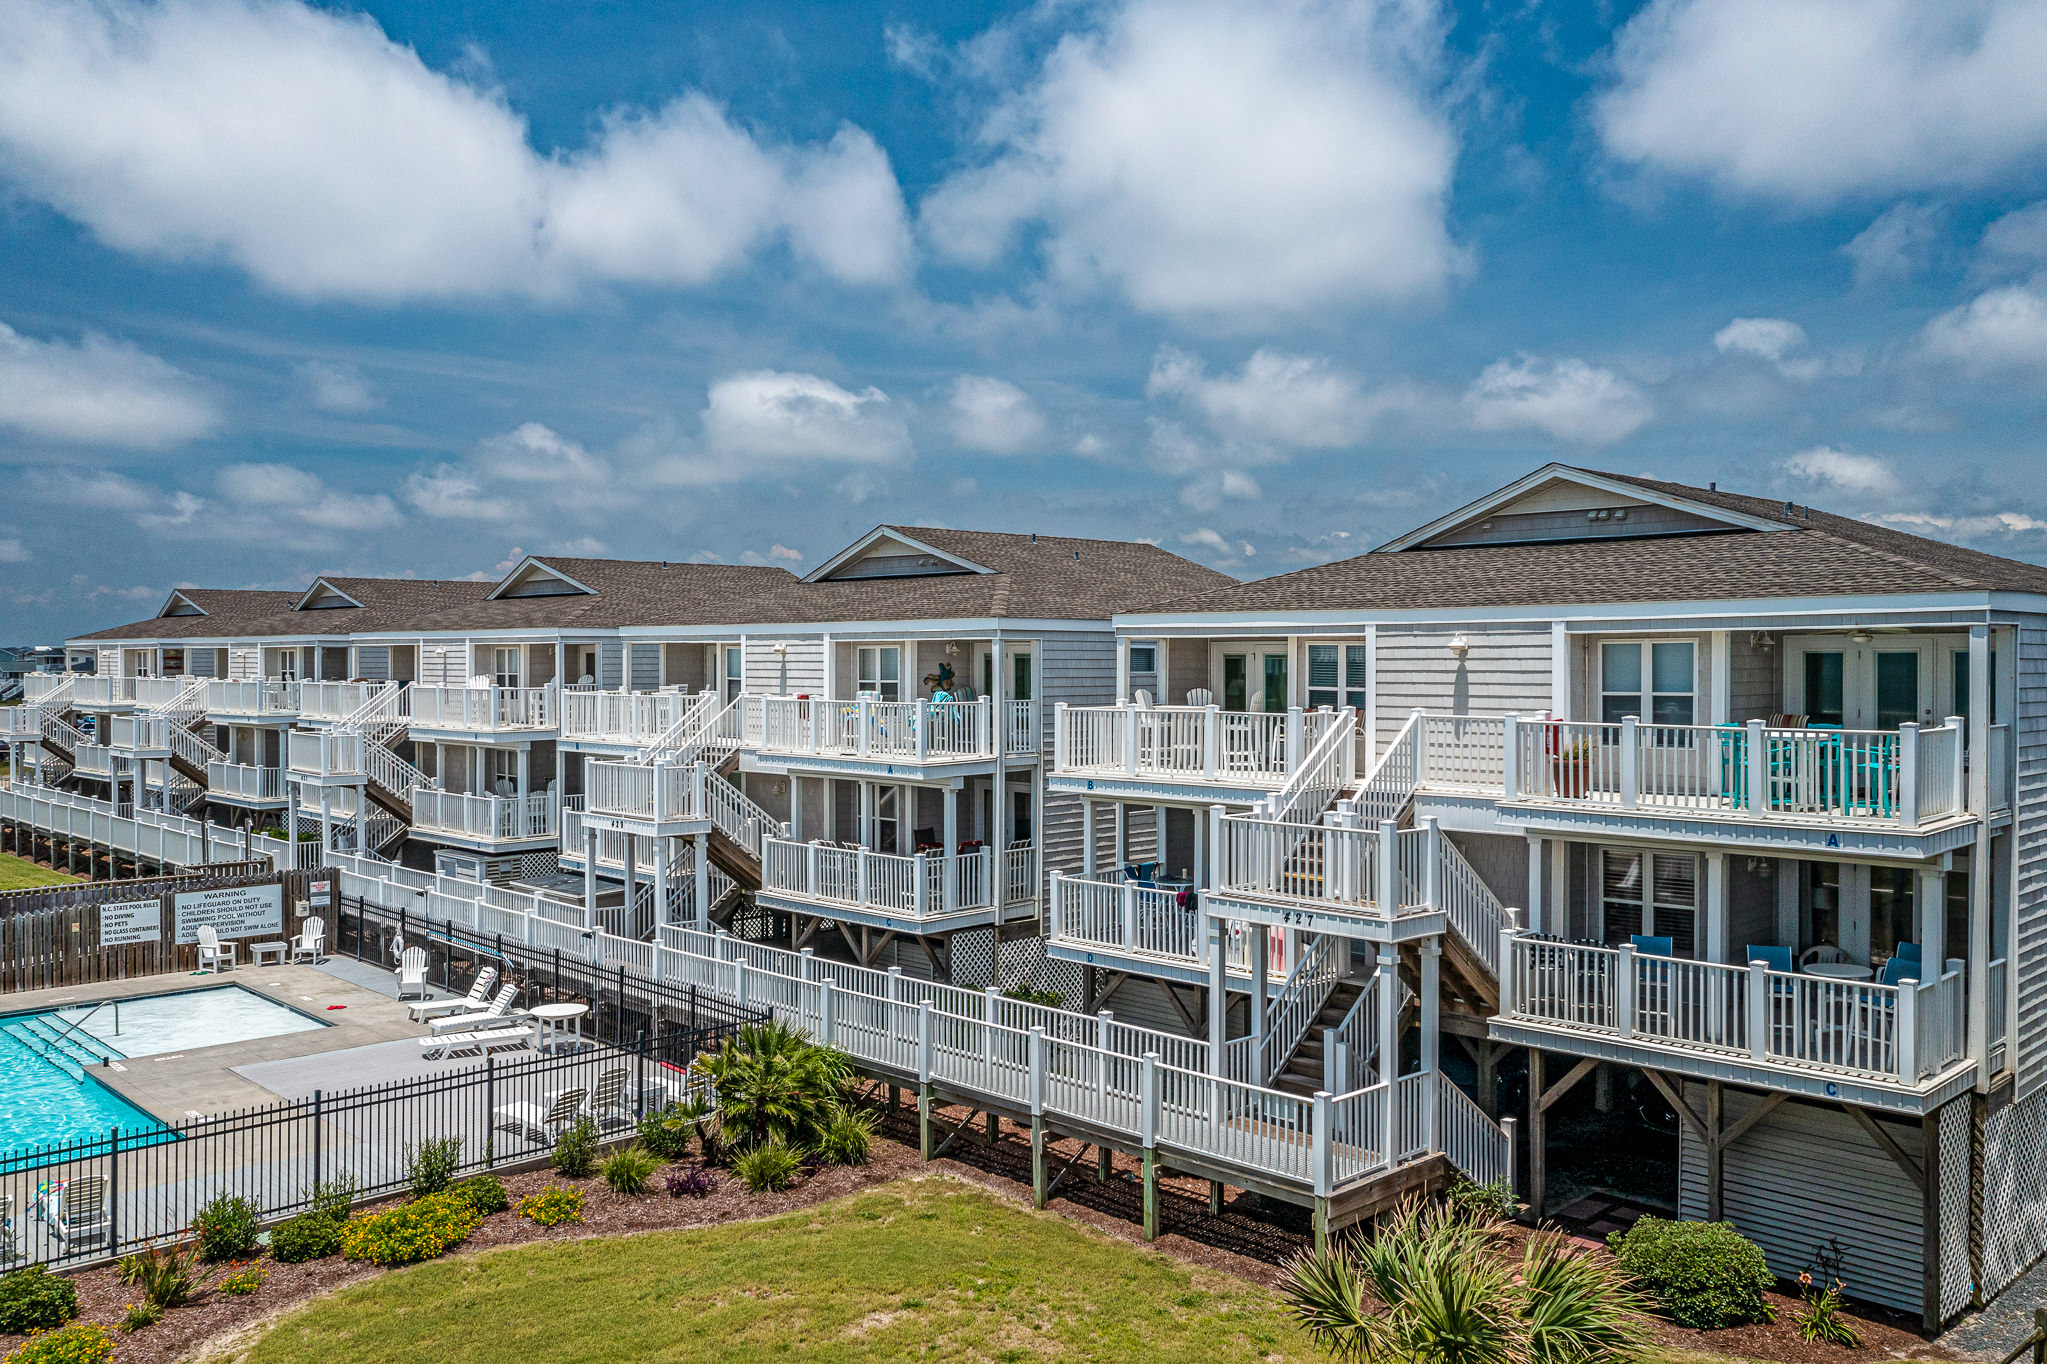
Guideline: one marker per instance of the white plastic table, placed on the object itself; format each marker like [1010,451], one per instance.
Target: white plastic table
[273,950]
[1837,970]
[554,1018]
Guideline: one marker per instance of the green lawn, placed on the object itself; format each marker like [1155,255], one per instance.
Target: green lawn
[18,873]
[923,1269]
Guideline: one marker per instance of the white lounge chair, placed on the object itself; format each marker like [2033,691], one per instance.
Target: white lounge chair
[10,1249]
[479,992]
[608,1107]
[311,943]
[537,1124]
[412,972]
[499,1013]
[477,1043]
[214,955]
[76,1209]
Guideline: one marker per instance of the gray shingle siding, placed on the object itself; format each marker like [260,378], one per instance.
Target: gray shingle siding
[1504,671]
[2030,828]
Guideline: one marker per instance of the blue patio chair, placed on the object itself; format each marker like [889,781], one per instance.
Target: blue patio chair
[1898,969]
[1776,958]
[1653,947]
[1910,952]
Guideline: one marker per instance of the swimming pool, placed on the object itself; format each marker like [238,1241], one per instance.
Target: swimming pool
[46,1058]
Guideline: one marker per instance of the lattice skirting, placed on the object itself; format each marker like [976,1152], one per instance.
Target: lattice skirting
[1957,1283]
[2014,1191]
[973,958]
[1024,963]
[539,864]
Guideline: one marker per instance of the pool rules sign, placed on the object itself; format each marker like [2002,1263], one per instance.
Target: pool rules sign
[233,912]
[132,921]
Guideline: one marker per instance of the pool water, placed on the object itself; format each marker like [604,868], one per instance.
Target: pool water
[46,1103]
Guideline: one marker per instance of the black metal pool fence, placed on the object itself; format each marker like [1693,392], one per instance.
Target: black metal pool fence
[92,1199]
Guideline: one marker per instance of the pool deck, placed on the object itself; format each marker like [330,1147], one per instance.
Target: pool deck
[202,1080]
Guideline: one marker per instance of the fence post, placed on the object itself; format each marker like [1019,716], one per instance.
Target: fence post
[866,722]
[1293,740]
[1127,892]
[1631,761]
[1323,1149]
[923,1041]
[827,1024]
[1758,769]
[861,873]
[1624,991]
[1759,1010]
[1507,1126]
[1130,738]
[1432,865]
[1334,1059]
[923,728]
[1388,890]
[113,1190]
[1908,776]
[1211,741]
[1908,1031]
[1510,758]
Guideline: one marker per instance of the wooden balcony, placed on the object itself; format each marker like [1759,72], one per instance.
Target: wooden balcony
[101,693]
[1192,753]
[101,762]
[655,801]
[622,720]
[888,890]
[325,754]
[1902,1047]
[327,702]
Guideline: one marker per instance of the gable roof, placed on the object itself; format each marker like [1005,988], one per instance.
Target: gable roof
[1696,516]
[1806,553]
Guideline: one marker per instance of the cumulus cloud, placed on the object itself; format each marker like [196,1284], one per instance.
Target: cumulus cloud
[1895,245]
[1287,399]
[448,492]
[1209,538]
[98,392]
[2001,329]
[1781,344]
[1851,473]
[533,453]
[335,387]
[1813,100]
[2017,240]
[280,491]
[12,551]
[785,554]
[1217,161]
[995,416]
[1568,399]
[308,149]
[245,503]
[771,415]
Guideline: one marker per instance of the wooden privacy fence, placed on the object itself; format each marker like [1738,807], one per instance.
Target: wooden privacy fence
[50,936]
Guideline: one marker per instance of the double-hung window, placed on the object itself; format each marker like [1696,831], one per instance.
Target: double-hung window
[1652,894]
[1654,682]
[504,666]
[881,672]
[1336,676]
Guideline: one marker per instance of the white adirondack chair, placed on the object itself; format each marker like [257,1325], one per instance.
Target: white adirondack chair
[214,955]
[412,972]
[311,943]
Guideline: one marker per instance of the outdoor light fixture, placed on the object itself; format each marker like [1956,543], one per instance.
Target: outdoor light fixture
[1862,637]
[1459,645]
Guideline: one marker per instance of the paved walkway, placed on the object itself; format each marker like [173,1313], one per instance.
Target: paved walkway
[1991,1333]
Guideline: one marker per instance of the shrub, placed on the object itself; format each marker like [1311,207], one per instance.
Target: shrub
[847,1138]
[665,1132]
[431,1168]
[245,1279]
[309,1236]
[698,1183]
[1485,1202]
[139,1315]
[575,1154]
[227,1228]
[163,1273]
[34,1299]
[1706,1275]
[630,1170]
[86,1343]
[768,1168]
[419,1230]
[1028,995]
[1820,1318]
[553,1206]
[335,1197]
[485,1193]
[774,1084]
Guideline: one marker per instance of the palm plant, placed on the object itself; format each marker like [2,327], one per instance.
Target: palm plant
[1434,1287]
[774,1084]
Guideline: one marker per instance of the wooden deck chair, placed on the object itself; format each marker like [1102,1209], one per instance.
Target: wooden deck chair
[311,943]
[537,1124]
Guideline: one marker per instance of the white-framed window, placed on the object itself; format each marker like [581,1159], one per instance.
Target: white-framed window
[1336,676]
[1655,682]
[735,673]
[881,671]
[1653,895]
[1144,658]
[504,666]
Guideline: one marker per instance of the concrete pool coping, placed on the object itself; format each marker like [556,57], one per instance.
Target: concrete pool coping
[175,1087]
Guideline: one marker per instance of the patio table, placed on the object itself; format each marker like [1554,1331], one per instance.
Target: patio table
[1837,970]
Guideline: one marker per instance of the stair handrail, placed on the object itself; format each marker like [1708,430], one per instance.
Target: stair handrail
[1290,1013]
[673,744]
[1387,787]
[1321,776]
[79,1022]
[1358,1035]
[1474,913]
[62,732]
[738,818]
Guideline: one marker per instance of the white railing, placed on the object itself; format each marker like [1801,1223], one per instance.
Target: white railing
[1903,1033]
[914,731]
[1474,912]
[1997,981]
[327,702]
[1461,752]
[1350,1049]
[21,724]
[1189,743]
[627,718]
[1126,918]
[706,732]
[502,818]
[98,760]
[37,688]
[1474,1143]
[1902,777]
[1359,869]
[225,697]
[921,887]
[324,753]
[89,691]
[483,709]
[166,839]
[1290,1012]
[649,793]
[244,782]
[1326,770]
[738,818]
[161,691]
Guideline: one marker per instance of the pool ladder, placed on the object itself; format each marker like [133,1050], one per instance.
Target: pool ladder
[65,1046]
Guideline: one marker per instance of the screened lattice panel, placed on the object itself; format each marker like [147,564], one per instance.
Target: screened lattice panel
[1955,1279]
[1024,963]
[2014,1191]
[973,958]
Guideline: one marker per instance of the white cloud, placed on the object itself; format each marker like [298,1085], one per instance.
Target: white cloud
[310,150]
[1208,538]
[1221,161]
[98,392]
[1895,245]
[14,552]
[281,491]
[2018,239]
[785,554]
[995,416]
[1813,100]
[1567,399]
[1782,344]
[2005,328]
[768,414]
[1208,491]
[535,454]
[450,493]
[1287,399]
[1839,469]
[335,387]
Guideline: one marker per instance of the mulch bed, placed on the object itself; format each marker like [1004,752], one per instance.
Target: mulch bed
[1251,1239]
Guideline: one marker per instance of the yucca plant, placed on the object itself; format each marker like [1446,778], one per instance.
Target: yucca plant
[774,1084]
[1436,1287]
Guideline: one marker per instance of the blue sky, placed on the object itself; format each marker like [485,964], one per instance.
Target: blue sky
[411,288]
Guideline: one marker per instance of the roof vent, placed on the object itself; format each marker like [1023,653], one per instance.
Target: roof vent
[1787,509]
[1076,556]
[1712,487]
